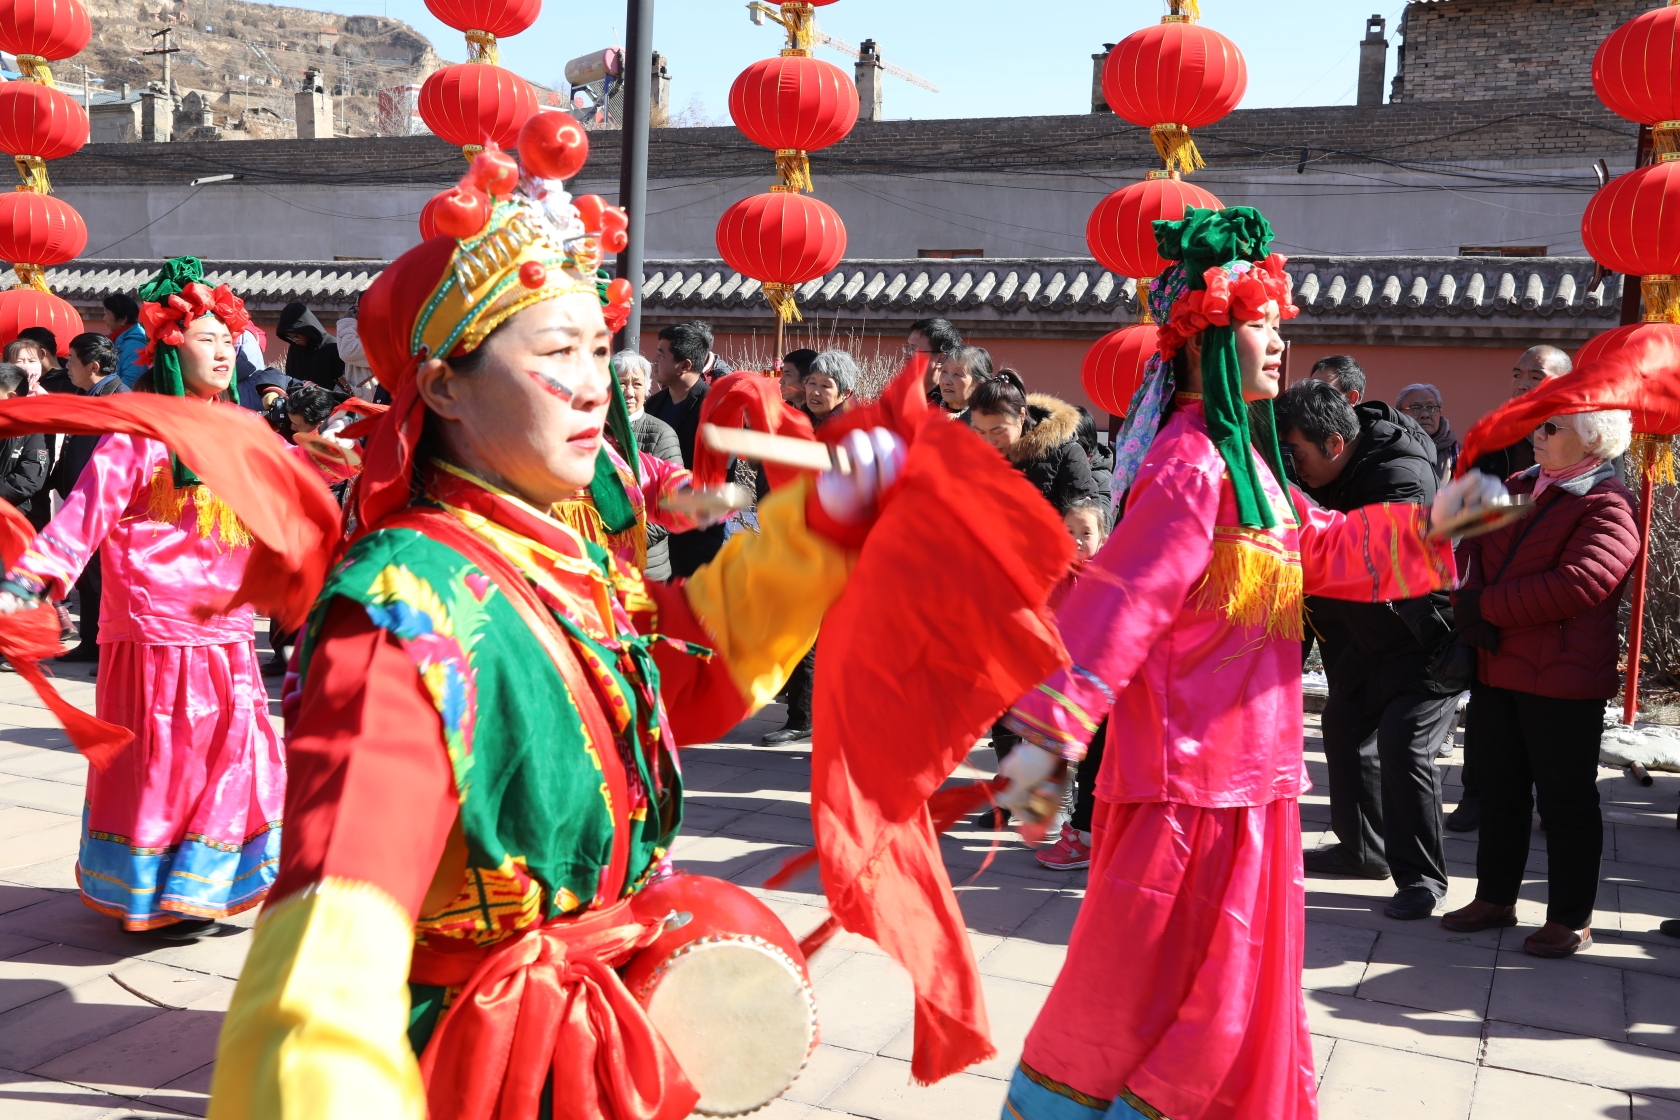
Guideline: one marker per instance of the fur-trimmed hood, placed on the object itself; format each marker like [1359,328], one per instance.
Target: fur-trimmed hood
[1055,423]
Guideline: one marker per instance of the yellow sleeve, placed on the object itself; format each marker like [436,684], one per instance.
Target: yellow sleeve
[763,596]
[317,1027]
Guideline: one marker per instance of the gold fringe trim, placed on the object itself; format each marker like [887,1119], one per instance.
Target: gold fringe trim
[1665,138]
[215,518]
[1253,582]
[1661,296]
[1654,454]
[35,69]
[1144,314]
[481,47]
[1176,147]
[471,150]
[780,297]
[33,171]
[793,170]
[800,20]
[31,276]
[580,515]
[1182,11]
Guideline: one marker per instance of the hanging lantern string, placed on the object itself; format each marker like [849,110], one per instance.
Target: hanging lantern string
[799,19]
[780,297]
[35,69]
[1654,454]
[481,47]
[1176,147]
[33,171]
[793,170]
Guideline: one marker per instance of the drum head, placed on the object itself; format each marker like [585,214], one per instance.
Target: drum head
[739,1018]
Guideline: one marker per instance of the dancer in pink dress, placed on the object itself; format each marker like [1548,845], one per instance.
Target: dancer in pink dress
[1181,995]
[184,826]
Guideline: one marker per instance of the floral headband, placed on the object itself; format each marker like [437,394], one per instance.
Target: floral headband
[1237,292]
[164,315]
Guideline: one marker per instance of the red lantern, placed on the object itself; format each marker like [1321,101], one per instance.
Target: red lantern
[1635,70]
[500,18]
[1632,224]
[1120,232]
[1173,77]
[21,308]
[1113,366]
[41,121]
[471,103]
[781,239]
[52,29]
[793,102]
[39,229]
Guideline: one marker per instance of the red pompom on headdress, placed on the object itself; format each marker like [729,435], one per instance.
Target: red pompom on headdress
[1235,293]
[163,322]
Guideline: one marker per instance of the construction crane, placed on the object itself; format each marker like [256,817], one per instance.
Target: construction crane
[802,33]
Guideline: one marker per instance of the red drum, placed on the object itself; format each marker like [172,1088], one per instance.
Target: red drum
[726,987]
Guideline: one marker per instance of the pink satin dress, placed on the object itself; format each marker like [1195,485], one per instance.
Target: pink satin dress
[1182,987]
[186,822]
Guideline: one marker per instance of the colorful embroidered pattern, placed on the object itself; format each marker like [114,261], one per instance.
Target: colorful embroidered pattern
[492,904]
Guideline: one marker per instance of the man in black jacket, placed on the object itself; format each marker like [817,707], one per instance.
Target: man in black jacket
[1386,715]
[23,459]
[312,353]
[683,353]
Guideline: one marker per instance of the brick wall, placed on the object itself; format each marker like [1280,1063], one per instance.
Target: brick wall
[1457,50]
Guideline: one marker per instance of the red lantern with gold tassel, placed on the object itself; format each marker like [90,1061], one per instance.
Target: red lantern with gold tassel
[23,307]
[1113,366]
[38,230]
[1173,77]
[500,18]
[1634,74]
[793,105]
[40,121]
[781,239]
[43,31]
[471,103]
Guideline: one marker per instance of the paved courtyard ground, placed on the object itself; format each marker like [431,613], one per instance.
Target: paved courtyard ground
[1408,1019]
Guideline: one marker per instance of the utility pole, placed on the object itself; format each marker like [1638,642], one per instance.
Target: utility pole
[87,89]
[166,50]
[633,156]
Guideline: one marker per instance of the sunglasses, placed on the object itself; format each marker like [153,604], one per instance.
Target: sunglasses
[1549,429]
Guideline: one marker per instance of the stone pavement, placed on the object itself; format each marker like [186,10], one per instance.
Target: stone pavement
[1408,1019]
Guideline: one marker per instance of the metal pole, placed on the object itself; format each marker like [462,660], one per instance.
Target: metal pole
[633,157]
[1636,625]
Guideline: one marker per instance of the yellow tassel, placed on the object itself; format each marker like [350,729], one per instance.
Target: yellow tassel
[800,20]
[1177,149]
[214,517]
[35,69]
[31,276]
[1144,314]
[481,47]
[1654,454]
[1182,11]
[1661,296]
[1665,138]
[781,298]
[33,171]
[793,170]
[1252,581]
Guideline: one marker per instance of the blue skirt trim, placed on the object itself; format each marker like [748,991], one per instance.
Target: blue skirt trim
[1028,1100]
[152,887]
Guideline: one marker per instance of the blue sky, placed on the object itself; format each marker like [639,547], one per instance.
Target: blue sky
[988,57]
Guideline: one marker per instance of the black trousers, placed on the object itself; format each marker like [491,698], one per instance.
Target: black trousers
[799,687]
[1385,789]
[1085,780]
[89,586]
[1532,743]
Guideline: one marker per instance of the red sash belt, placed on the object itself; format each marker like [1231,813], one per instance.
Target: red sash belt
[549,999]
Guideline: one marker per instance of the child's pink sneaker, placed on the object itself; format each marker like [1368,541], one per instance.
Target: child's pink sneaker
[1070,853]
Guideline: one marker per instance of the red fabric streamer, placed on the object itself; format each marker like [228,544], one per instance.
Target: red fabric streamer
[1634,367]
[890,655]
[30,636]
[752,400]
[551,1000]
[288,509]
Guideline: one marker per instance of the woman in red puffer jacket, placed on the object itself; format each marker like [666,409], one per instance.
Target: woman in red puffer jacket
[1540,600]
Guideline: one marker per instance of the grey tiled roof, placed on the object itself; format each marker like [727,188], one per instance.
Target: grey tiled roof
[1376,298]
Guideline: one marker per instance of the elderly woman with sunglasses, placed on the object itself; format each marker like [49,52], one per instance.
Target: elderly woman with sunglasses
[1540,599]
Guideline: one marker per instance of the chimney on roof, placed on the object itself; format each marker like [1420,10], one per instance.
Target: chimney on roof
[869,81]
[314,108]
[1373,61]
[1099,103]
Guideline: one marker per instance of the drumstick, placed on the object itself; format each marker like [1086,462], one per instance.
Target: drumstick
[805,454]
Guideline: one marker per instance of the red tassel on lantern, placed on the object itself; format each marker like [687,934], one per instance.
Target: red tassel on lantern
[781,239]
[1113,366]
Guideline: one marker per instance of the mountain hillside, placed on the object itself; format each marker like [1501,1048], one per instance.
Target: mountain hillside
[247,60]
